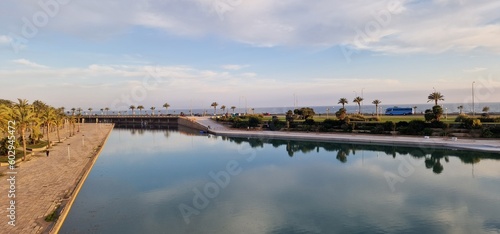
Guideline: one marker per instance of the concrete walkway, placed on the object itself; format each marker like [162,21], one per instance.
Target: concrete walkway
[44,182]
[470,144]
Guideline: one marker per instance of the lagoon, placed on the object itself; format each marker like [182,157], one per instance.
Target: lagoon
[179,181]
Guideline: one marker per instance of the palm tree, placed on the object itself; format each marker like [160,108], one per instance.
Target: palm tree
[166,106]
[486,109]
[415,110]
[107,110]
[79,110]
[223,108]
[59,121]
[343,101]
[435,96]
[376,102]
[132,107]
[232,108]
[90,111]
[461,108]
[358,100]
[215,104]
[73,110]
[23,115]
[140,108]
[48,118]
[152,110]
[102,111]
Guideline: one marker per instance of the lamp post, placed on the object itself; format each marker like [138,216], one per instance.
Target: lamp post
[473,109]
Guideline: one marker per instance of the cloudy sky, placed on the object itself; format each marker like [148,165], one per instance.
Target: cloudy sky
[115,53]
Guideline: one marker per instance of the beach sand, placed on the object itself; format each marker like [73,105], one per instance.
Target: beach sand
[45,182]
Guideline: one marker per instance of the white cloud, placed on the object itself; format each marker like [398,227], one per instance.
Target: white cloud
[28,63]
[233,66]
[5,39]
[475,69]
[410,27]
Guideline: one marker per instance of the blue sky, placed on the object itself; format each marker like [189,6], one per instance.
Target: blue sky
[77,53]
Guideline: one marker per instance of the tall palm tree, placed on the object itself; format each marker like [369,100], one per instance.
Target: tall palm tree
[132,107]
[214,104]
[79,110]
[460,108]
[166,106]
[343,101]
[73,111]
[59,121]
[223,108]
[23,115]
[90,111]
[415,110]
[232,108]
[48,118]
[152,110]
[376,102]
[107,110]
[140,108]
[358,100]
[435,96]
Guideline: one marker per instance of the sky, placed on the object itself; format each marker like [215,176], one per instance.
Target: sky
[190,53]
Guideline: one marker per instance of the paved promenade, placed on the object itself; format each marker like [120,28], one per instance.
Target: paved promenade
[43,182]
[418,141]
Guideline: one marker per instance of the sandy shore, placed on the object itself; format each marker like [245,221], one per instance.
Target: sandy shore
[469,144]
[44,182]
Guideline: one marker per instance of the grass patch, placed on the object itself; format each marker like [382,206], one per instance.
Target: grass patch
[52,216]
[19,154]
[40,144]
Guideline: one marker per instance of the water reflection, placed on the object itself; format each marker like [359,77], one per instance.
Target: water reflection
[139,182]
[433,156]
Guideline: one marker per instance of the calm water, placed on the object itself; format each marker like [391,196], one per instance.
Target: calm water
[178,182]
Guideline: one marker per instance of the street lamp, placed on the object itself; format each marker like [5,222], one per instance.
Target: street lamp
[473,110]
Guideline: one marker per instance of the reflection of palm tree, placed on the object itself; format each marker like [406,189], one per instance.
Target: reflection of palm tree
[437,168]
[342,156]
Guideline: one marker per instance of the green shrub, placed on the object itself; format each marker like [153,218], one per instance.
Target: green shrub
[254,121]
[415,127]
[379,129]
[470,123]
[460,118]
